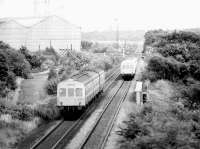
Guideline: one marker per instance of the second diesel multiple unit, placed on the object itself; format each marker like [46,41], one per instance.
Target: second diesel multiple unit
[80,89]
[128,68]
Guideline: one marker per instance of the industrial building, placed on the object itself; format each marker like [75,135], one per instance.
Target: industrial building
[40,33]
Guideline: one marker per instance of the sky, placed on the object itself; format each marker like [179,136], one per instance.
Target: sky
[101,15]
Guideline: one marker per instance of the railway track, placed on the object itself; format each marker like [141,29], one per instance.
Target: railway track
[66,129]
[97,138]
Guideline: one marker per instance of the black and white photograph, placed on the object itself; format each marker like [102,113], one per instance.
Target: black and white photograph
[99,74]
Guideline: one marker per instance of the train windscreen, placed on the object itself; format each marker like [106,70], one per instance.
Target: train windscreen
[71,92]
[62,92]
[79,92]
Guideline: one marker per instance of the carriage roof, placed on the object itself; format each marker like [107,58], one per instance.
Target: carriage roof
[83,76]
[129,61]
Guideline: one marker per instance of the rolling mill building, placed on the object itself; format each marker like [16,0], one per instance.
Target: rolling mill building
[40,33]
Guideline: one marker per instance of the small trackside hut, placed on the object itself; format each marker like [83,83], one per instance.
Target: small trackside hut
[78,91]
[140,93]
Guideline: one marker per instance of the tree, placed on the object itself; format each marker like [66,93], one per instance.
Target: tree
[52,74]
[86,44]
[51,51]
[3,66]
[7,77]
[34,60]
[4,45]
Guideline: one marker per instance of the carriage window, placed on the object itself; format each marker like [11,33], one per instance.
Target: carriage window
[78,92]
[70,92]
[62,92]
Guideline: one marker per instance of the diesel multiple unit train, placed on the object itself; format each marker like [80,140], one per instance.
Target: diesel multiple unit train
[128,68]
[78,91]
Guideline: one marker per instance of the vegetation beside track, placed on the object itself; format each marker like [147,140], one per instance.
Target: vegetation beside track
[32,106]
[78,61]
[171,117]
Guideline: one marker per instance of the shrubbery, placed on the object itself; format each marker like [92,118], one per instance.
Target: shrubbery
[171,121]
[77,61]
[52,74]
[51,86]
[16,111]
[12,64]
[22,112]
[151,129]
[180,60]
[182,46]
[47,112]
[86,44]
[163,68]
[191,96]
[52,53]
[34,60]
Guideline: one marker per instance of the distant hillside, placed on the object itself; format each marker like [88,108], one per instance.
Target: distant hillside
[137,35]
[195,30]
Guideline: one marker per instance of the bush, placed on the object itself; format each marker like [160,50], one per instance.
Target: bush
[51,52]
[17,63]
[133,128]
[47,112]
[20,112]
[12,64]
[35,61]
[11,83]
[181,46]
[100,50]
[194,68]
[191,95]
[23,113]
[3,89]
[3,45]
[51,86]
[170,69]
[86,44]
[52,74]
[177,128]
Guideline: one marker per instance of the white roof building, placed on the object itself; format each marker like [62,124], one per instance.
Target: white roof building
[39,33]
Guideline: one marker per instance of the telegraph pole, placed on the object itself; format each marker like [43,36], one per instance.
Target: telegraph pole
[124,49]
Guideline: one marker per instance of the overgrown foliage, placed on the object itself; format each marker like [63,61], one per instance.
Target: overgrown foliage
[181,46]
[51,86]
[86,44]
[12,64]
[51,54]
[170,119]
[52,74]
[73,62]
[47,112]
[166,68]
[35,61]
[179,60]
[151,129]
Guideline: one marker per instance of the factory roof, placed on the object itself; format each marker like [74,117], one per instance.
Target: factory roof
[31,21]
